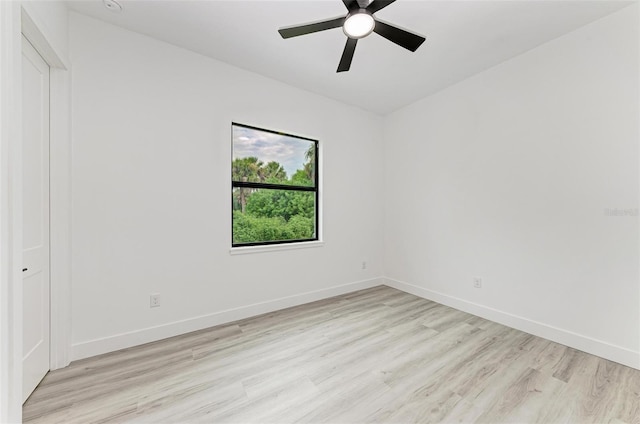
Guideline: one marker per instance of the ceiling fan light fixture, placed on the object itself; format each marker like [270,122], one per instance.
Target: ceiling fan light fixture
[359,25]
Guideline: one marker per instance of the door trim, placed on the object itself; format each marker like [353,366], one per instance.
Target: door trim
[12,17]
[10,213]
[59,193]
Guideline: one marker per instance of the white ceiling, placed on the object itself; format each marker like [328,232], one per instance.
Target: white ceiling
[463,38]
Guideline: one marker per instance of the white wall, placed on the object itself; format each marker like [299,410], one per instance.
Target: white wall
[507,176]
[151,191]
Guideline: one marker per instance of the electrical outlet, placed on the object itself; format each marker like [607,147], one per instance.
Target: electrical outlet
[477,282]
[154,300]
[364,264]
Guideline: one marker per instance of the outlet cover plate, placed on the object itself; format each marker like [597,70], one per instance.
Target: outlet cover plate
[477,282]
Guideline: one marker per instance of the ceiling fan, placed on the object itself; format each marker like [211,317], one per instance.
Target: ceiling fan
[358,23]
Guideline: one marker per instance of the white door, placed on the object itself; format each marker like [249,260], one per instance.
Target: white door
[35,195]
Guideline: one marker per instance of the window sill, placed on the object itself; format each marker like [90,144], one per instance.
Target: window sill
[275,247]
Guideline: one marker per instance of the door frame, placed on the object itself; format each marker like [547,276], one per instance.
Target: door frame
[16,19]
[60,192]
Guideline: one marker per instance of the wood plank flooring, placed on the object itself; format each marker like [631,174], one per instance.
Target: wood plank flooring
[377,355]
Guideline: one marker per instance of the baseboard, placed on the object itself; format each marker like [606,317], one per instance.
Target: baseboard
[152,334]
[599,348]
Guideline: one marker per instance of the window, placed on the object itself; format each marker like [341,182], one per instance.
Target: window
[274,186]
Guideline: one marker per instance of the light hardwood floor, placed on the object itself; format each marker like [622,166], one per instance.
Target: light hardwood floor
[377,355]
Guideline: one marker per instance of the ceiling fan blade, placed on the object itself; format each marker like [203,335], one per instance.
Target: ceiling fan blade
[295,31]
[378,4]
[351,5]
[406,39]
[347,55]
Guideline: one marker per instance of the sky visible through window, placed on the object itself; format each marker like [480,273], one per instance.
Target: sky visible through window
[269,147]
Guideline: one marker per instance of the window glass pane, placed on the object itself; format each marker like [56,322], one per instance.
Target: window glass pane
[265,157]
[266,215]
